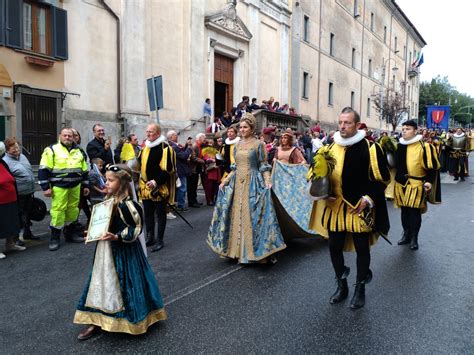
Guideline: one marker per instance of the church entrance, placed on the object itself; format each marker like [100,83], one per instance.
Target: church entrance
[223,84]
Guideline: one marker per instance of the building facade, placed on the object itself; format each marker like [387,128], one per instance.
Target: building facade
[75,63]
[349,52]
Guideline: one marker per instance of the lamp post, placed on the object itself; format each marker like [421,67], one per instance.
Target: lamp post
[381,93]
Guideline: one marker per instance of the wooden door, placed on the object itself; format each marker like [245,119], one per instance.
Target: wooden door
[224,74]
[39,125]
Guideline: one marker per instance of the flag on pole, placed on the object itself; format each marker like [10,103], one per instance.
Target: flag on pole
[418,61]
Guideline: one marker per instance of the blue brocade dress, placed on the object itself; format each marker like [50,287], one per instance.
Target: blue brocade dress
[121,294]
[244,225]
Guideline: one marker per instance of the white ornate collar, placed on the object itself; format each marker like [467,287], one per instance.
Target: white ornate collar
[345,142]
[455,135]
[156,142]
[410,141]
[233,141]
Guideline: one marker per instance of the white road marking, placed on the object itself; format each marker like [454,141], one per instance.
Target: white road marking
[201,284]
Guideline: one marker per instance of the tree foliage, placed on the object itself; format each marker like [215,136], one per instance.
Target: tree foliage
[392,110]
[439,91]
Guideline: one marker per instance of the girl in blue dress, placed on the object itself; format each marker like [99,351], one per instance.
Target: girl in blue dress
[121,294]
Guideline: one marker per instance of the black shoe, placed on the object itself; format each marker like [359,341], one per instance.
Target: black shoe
[158,247]
[456,178]
[406,238]
[54,239]
[194,205]
[199,203]
[30,236]
[182,209]
[72,233]
[462,179]
[358,300]
[150,239]
[414,242]
[20,243]
[342,290]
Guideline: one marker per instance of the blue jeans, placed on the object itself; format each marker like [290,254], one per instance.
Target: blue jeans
[309,155]
[181,193]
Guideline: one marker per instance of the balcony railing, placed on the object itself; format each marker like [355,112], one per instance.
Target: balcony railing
[412,72]
[280,120]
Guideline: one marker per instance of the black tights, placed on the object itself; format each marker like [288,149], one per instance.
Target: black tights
[411,220]
[361,243]
[150,208]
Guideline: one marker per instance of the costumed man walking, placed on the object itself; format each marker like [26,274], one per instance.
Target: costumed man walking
[228,150]
[355,213]
[157,183]
[460,145]
[61,172]
[416,180]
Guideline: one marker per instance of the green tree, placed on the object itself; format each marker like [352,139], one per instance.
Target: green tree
[439,91]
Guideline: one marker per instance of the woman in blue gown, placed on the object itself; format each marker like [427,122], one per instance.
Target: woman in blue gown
[121,294]
[244,225]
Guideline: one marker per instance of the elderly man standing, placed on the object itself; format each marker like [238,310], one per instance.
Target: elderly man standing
[61,172]
[183,153]
[156,186]
[99,147]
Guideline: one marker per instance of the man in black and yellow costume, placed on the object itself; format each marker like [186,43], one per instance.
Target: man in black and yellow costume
[355,214]
[416,181]
[157,183]
[228,149]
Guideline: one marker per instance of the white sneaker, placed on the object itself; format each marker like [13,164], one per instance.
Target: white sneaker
[170,216]
[2,256]
[14,247]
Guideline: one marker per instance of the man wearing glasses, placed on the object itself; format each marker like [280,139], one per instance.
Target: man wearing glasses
[99,147]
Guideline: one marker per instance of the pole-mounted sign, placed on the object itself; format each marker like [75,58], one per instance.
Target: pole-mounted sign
[155,94]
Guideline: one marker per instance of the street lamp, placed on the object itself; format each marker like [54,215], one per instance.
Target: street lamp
[381,93]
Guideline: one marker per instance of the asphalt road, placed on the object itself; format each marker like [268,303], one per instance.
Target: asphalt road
[418,302]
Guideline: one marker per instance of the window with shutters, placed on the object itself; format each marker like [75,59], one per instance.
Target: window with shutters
[36,28]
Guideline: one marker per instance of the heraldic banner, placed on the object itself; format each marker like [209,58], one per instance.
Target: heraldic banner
[437,117]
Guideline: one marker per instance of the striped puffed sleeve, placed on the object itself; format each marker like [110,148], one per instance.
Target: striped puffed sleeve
[379,170]
[430,162]
[131,214]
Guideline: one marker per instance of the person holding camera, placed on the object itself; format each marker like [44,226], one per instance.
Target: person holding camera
[157,183]
[182,156]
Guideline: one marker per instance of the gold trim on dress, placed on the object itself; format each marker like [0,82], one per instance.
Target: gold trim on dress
[119,325]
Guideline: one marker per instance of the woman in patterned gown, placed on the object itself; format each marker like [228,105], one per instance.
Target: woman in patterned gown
[244,225]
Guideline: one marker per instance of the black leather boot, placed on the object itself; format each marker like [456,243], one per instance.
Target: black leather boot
[72,234]
[414,242]
[150,239]
[406,238]
[342,290]
[54,239]
[358,300]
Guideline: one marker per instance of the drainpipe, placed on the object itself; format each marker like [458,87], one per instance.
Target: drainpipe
[119,58]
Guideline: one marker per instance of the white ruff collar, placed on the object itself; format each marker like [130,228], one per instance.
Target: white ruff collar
[156,142]
[233,141]
[345,142]
[458,135]
[410,141]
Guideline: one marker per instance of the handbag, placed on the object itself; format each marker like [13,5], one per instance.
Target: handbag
[37,210]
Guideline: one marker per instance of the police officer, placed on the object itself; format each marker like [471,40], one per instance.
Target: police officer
[62,171]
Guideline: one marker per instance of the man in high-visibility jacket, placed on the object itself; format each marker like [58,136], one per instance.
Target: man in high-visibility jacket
[62,170]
